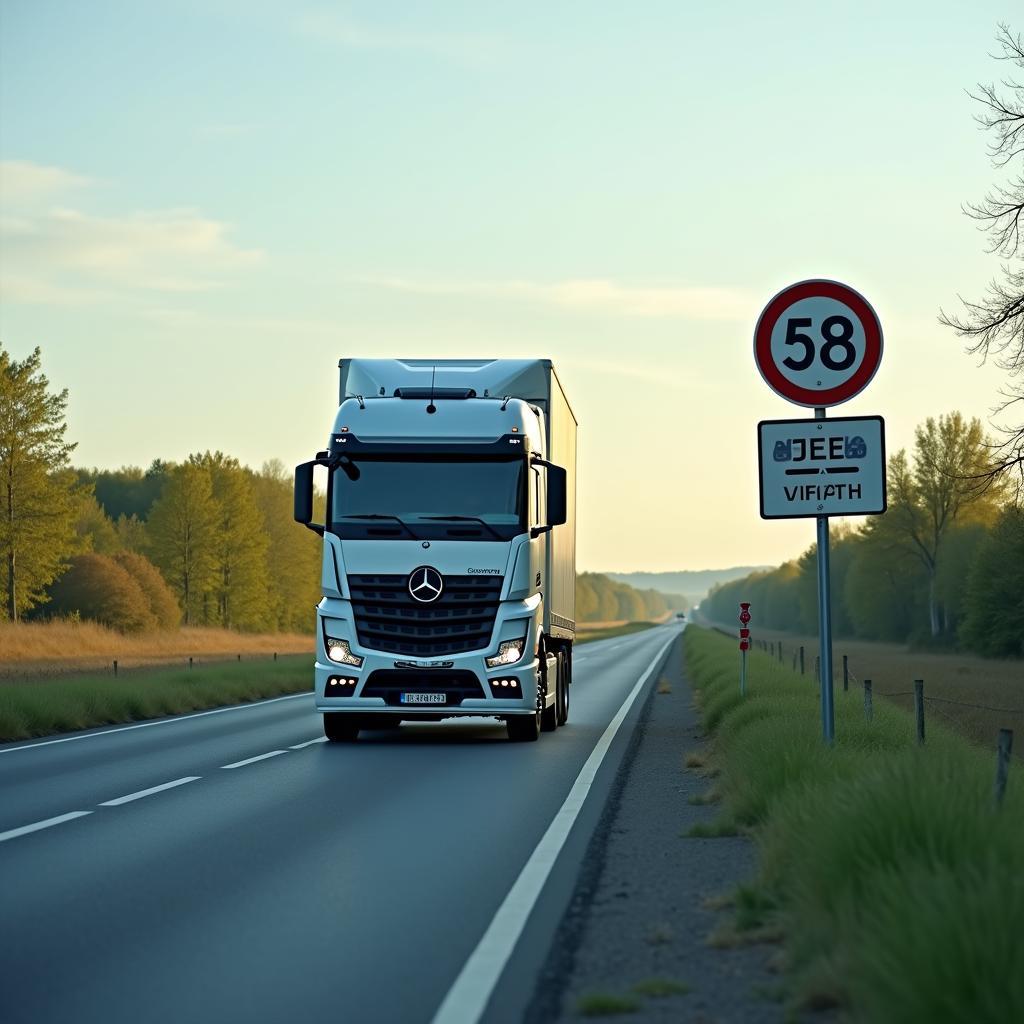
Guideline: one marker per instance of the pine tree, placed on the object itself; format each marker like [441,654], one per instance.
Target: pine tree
[37,491]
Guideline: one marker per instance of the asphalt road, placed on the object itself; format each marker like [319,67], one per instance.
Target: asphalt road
[231,866]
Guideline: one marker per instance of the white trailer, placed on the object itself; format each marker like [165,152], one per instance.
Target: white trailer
[449,557]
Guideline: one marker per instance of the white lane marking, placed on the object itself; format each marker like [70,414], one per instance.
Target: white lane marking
[36,826]
[468,997]
[162,721]
[253,760]
[309,743]
[149,792]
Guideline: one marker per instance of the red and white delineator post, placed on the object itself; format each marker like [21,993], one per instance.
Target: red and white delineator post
[744,644]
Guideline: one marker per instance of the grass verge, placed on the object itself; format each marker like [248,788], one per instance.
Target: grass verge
[897,884]
[34,709]
[585,636]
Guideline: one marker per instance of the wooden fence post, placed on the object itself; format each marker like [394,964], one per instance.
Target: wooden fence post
[846,674]
[115,668]
[919,708]
[802,658]
[868,710]
[190,663]
[817,669]
[1003,750]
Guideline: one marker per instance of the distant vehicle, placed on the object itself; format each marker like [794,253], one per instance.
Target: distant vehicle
[449,556]
[680,615]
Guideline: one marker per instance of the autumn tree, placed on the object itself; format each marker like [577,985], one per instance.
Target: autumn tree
[993,325]
[96,587]
[37,493]
[183,529]
[162,606]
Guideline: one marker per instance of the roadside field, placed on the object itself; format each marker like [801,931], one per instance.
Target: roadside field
[887,869]
[54,648]
[38,704]
[994,686]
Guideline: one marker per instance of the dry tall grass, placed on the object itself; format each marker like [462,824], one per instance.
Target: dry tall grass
[56,648]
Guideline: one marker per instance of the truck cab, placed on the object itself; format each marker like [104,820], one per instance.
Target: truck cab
[448,572]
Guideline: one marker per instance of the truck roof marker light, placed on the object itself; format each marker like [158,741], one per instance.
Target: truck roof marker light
[515,430]
[344,430]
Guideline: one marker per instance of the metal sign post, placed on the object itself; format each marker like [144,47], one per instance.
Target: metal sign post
[818,343]
[828,719]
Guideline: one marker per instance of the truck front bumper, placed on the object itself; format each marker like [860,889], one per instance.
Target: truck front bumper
[443,687]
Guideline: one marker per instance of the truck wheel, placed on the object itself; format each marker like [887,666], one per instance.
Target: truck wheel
[565,680]
[341,728]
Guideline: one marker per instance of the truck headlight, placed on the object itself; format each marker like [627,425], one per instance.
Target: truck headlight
[339,651]
[509,652]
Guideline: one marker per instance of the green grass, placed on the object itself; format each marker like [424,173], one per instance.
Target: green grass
[898,885]
[51,706]
[586,637]
[661,988]
[605,1004]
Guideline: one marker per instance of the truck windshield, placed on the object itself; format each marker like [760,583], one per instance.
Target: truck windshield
[472,499]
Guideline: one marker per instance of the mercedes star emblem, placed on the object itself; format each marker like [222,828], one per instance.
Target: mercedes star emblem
[425,584]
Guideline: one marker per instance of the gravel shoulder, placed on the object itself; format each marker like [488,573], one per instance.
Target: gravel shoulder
[639,913]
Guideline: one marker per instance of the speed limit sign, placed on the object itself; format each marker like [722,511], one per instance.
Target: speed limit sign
[818,343]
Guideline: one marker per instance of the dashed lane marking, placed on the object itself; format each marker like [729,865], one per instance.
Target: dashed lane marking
[253,760]
[149,792]
[36,826]
[308,743]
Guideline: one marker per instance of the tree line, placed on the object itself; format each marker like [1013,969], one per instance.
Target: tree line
[206,542]
[944,566]
[602,599]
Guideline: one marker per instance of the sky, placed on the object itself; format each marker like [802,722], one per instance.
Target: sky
[203,205]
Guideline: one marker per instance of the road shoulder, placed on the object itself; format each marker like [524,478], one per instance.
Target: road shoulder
[640,911]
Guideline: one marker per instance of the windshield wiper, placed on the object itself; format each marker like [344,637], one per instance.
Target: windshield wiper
[469,519]
[379,515]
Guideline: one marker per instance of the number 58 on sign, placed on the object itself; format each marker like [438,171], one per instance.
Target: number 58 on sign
[818,343]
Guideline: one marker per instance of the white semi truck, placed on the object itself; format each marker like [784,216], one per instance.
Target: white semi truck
[449,555]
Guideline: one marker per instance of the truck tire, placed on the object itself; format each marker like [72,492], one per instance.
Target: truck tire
[565,678]
[339,728]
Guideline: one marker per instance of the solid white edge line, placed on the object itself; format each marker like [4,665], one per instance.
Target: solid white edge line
[149,792]
[36,826]
[253,760]
[308,743]
[159,721]
[468,997]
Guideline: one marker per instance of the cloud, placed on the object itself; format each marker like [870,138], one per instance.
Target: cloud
[23,182]
[593,295]
[336,28]
[65,256]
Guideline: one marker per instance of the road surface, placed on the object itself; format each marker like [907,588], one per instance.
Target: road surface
[232,866]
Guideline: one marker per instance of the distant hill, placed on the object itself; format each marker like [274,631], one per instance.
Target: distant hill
[691,584]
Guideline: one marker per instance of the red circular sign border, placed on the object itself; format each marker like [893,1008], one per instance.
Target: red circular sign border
[804,290]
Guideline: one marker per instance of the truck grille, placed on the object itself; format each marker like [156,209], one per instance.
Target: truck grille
[388,619]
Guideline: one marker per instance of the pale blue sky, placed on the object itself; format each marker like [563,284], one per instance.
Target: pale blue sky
[204,205]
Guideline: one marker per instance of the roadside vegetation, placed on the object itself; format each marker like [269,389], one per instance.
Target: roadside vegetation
[895,881]
[31,709]
[943,568]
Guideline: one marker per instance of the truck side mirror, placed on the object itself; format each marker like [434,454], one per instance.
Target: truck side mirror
[557,491]
[304,496]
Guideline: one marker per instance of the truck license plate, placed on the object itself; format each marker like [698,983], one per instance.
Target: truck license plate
[423,698]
